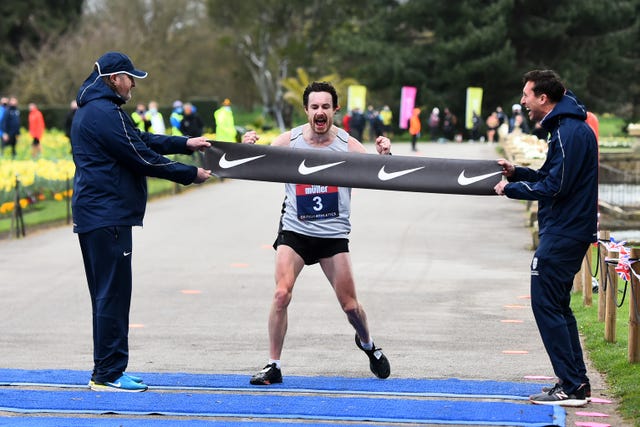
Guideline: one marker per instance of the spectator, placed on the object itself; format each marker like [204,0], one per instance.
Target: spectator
[225,124]
[11,126]
[387,118]
[414,128]
[449,122]
[475,126]
[36,129]
[139,118]
[378,127]
[155,119]
[434,124]
[493,123]
[176,118]
[371,117]
[357,123]
[594,124]
[191,124]
[518,122]
[502,117]
[346,122]
[4,104]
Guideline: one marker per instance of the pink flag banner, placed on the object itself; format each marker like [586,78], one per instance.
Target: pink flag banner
[407,102]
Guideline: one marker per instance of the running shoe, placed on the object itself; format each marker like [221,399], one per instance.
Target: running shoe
[122,384]
[587,389]
[270,374]
[131,377]
[557,396]
[378,362]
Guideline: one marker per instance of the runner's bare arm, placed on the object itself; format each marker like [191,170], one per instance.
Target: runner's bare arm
[251,137]
[383,145]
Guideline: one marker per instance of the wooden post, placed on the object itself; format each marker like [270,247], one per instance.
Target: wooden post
[587,291]
[578,279]
[610,299]
[602,270]
[634,309]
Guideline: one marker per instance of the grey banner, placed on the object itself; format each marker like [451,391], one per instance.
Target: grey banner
[357,170]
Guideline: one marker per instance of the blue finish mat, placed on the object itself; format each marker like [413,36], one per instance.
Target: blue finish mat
[281,406]
[293,384]
[106,421]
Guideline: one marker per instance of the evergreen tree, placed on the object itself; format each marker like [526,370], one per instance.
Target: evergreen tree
[27,25]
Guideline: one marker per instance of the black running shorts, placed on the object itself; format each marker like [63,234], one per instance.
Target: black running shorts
[311,249]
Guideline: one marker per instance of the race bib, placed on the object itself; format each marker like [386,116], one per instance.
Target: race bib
[316,202]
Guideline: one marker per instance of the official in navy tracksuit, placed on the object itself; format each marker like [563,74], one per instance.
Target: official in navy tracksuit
[566,188]
[112,160]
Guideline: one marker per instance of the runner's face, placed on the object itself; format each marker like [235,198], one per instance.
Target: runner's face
[320,112]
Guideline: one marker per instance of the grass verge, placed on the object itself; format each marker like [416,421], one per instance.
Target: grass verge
[611,359]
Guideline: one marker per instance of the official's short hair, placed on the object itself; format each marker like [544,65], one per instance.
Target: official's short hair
[320,87]
[547,82]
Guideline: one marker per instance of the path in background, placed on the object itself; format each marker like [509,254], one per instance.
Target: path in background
[444,280]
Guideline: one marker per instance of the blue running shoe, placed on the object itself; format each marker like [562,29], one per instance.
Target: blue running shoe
[133,378]
[124,384]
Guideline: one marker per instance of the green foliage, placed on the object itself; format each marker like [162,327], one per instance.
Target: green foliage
[27,25]
[610,126]
[295,86]
[444,47]
[212,48]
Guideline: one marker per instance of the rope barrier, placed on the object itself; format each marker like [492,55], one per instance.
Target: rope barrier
[593,275]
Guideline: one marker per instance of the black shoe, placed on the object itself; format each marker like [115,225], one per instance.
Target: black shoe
[378,362]
[269,375]
[585,386]
[557,396]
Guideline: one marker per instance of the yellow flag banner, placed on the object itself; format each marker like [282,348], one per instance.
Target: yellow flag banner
[356,97]
[474,104]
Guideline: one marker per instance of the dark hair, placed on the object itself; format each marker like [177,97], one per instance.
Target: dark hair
[320,87]
[547,82]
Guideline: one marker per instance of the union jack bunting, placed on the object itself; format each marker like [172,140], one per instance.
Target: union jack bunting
[624,265]
[615,246]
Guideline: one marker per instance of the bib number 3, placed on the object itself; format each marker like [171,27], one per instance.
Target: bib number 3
[316,202]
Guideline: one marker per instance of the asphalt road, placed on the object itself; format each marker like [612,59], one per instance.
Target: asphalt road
[444,280]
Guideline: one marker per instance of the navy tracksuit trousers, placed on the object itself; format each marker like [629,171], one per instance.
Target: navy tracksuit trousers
[107,262]
[554,265]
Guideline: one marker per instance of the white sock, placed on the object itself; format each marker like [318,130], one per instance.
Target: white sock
[368,345]
[277,362]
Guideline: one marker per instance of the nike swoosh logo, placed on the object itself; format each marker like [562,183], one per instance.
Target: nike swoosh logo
[118,384]
[463,180]
[126,253]
[386,176]
[308,170]
[226,164]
